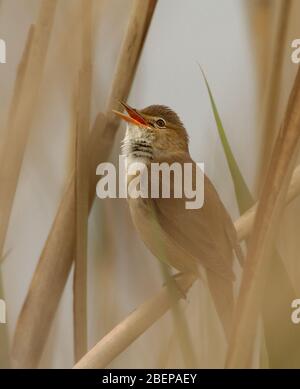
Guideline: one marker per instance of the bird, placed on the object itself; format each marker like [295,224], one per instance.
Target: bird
[189,240]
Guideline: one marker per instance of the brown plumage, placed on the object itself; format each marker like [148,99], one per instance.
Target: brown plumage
[183,238]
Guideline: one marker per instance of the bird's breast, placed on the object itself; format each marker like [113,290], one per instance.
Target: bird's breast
[137,144]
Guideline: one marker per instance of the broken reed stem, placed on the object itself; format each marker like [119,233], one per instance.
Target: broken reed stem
[22,111]
[120,337]
[266,224]
[274,84]
[132,327]
[82,185]
[56,259]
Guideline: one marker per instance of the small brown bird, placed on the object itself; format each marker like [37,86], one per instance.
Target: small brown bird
[184,238]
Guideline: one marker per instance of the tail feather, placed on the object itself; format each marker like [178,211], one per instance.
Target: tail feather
[222,294]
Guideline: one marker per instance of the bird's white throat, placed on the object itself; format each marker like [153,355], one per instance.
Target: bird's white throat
[137,144]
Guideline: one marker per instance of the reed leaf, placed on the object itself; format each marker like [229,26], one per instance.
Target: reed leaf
[56,259]
[261,243]
[242,192]
[276,301]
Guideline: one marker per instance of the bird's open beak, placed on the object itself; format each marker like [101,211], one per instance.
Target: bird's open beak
[134,117]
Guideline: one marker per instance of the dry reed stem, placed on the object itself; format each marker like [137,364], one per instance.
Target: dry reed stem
[132,327]
[20,78]
[50,275]
[82,185]
[140,19]
[266,225]
[4,337]
[260,20]
[274,84]
[25,100]
[55,262]
[4,350]
[118,339]
[245,223]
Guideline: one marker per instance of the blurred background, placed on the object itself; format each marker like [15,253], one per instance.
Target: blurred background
[236,42]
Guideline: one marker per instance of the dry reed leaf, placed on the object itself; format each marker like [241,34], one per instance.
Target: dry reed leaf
[55,262]
[25,100]
[118,339]
[274,86]
[82,185]
[266,224]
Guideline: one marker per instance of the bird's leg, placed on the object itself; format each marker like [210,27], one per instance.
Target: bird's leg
[178,275]
[179,289]
[175,284]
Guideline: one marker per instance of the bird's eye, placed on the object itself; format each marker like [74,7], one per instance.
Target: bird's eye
[160,123]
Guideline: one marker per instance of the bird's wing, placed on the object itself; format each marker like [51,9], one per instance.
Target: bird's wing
[206,234]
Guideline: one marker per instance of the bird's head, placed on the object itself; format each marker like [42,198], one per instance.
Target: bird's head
[153,133]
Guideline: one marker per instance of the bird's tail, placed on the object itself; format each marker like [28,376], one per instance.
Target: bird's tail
[221,290]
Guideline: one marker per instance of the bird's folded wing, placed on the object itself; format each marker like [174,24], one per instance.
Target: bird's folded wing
[206,233]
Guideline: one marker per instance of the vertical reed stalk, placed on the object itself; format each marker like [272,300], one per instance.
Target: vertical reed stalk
[260,15]
[274,84]
[82,185]
[55,262]
[266,225]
